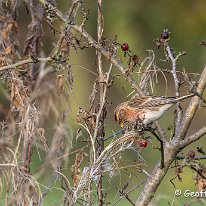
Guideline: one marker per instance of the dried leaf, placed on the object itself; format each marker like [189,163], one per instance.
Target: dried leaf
[2,61]
[200,182]
[18,95]
[76,170]
[89,120]
[8,29]
[60,84]
[8,51]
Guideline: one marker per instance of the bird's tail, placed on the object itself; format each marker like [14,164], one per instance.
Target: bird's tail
[178,99]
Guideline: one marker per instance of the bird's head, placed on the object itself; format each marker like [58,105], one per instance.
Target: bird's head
[120,115]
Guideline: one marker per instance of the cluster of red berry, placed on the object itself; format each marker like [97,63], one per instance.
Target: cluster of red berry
[142,143]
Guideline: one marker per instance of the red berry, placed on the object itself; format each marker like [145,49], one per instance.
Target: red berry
[125,47]
[191,154]
[142,143]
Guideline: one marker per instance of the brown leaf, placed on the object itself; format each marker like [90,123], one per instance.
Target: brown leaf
[6,31]
[8,51]
[2,61]
[200,182]
[76,170]
[60,83]
[89,120]
[200,179]
[18,95]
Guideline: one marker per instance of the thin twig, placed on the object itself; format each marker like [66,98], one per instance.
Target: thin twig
[192,108]
[188,140]
[174,73]
[103,102]
[140,184]
[69,18]
[195,158]
[97,46]
[161,146]
[26,61]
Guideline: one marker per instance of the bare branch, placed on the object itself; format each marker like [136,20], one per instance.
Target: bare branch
[192,108]
[174,73]
[97,46]
[27,61]
[188,140]
[99,127]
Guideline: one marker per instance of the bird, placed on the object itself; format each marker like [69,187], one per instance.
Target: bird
[141,111]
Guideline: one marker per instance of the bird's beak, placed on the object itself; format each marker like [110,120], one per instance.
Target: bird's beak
[122,124]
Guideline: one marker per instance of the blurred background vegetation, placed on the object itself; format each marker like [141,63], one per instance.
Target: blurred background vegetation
[138,23]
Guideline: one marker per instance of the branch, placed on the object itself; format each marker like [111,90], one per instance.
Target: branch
[174,73]
[192,108]
[27,61]
[95,45]
[173,147]
[156,177]
[103,100]
[135,187]
[72,14]
[195,158]
[188,140]
[161,146]
[99,127]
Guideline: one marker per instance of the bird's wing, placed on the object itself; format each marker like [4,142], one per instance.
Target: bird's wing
[137,101]
[157,101]
[148,101]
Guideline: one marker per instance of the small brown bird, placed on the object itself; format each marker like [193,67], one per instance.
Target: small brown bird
[141,111]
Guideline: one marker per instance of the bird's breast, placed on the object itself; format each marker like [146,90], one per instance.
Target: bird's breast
[153,115]
[134,114]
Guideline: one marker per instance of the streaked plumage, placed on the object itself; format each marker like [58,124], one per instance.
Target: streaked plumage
[144,110]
